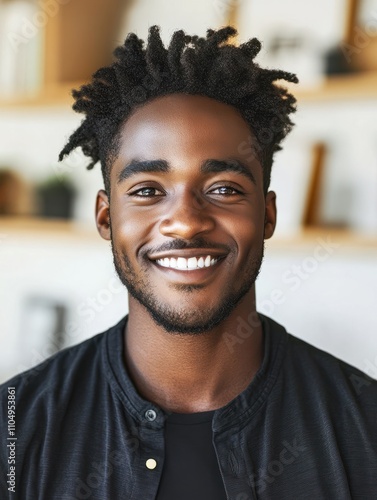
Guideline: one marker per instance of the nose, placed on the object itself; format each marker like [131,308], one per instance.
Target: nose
[187,216]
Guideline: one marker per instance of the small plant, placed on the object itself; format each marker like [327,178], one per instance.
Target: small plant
[56,197]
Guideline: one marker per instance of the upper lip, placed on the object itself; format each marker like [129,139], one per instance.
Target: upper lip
[189,252]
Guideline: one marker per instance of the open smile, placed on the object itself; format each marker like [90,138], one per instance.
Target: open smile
[188,264]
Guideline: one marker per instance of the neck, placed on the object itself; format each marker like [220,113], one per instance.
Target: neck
[194,373]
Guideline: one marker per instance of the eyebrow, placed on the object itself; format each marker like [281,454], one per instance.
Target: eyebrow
[145,166]
[162,166]
[232,165]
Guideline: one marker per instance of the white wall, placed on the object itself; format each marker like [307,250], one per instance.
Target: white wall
[327,297]
[73,270]
[195,17]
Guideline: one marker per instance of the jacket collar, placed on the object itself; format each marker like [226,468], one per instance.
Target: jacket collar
[241,408]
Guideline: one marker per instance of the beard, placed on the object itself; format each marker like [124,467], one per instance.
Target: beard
[184,320]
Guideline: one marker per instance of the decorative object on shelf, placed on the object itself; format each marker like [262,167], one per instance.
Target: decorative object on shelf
[335,62]
[47,47]
[15,196]
[358,49]
[287,49]
[311,215]
[21,48]
[56,197]
[295,35]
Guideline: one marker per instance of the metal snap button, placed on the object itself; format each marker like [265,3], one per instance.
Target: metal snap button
[150,415]
[151,463]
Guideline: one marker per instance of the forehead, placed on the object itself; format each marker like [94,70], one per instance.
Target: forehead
[181,125]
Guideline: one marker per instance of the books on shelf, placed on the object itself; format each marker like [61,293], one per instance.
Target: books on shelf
[21,48]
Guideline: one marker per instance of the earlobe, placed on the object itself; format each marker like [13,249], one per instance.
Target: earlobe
[103,215]
[270,215]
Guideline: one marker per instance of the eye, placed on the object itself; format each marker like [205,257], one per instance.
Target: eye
[146,192]
[225,191]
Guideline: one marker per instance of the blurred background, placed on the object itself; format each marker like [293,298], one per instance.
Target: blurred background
[319,277]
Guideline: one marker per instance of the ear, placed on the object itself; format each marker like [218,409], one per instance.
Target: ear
[103,215]
[270,215]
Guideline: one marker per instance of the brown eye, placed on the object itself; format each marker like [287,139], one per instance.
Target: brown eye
[225,190]
[146,192]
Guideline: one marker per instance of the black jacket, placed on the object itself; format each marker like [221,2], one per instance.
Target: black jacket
[305,428]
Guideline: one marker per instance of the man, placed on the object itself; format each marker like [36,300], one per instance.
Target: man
[193,395]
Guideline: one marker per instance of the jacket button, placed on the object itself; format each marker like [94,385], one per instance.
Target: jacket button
[150,415]
[151,463]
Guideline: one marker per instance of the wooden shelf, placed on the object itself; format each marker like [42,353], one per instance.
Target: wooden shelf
[11,227]
[347,239]
[52,95]
[77,44]
[356,86]
[75,230]
[346,87]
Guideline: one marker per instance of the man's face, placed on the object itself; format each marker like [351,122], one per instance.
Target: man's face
[187,211]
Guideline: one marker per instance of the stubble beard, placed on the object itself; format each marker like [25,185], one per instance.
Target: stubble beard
[186,320]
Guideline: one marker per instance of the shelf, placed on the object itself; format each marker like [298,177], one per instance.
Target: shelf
[52,95]
[307,237]
[356,86]
[335,88]
[11,227]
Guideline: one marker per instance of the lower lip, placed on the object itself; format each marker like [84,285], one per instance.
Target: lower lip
[189,275]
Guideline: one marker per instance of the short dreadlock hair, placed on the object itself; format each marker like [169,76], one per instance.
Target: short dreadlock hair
[190,65]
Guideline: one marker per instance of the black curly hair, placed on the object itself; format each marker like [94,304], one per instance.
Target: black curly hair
[192,65]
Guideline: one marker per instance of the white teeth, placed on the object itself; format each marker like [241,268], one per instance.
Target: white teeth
[192,263]
[181,263]
[189,264]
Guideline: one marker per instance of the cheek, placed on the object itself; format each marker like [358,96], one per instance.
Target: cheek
[248,237]
[248,230]
[131,229]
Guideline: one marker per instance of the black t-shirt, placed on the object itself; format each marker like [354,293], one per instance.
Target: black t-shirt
[191,470]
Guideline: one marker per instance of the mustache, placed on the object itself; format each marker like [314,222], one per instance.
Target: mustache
[180,244]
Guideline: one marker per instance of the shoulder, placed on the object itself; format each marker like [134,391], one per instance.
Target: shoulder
[321,372]
[317,364]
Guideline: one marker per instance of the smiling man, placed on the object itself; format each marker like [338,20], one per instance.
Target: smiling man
[194,394]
